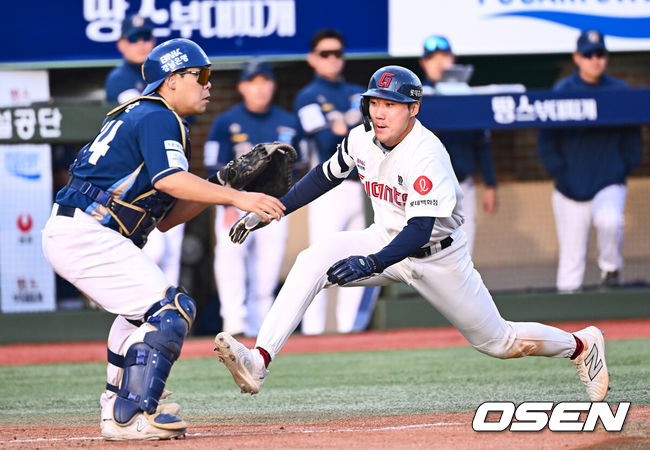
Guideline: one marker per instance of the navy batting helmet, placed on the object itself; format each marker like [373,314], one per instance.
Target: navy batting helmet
[395,83]
[169,57]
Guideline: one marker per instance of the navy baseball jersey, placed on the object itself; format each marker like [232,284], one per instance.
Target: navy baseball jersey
[584,160]
[238,130]
[322,102]
[139,143]
[124,83]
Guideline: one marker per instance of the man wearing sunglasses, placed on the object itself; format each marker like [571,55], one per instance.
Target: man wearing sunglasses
[328,108]
[125,82]
[590,167]
[466,148]
[134,176]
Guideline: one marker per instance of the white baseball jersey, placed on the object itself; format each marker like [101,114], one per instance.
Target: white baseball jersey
[414,179]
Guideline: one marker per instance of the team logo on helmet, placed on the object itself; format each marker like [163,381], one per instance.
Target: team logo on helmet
[385,79]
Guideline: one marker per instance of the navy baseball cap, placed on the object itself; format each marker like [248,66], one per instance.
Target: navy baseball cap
[591,41]
[256,67]
[135,27]
[434,44]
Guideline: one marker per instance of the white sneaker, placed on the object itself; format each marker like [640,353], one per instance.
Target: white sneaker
[591,364]
[144,427]
[249,373]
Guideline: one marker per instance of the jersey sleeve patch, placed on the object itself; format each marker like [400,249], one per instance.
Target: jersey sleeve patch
[422,185]
[173,145]
[177,159]
[312,118]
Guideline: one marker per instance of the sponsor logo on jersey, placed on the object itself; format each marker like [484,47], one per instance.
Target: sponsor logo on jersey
[422,185]
[384,192]
[425,202]
[173,145]
[361,165]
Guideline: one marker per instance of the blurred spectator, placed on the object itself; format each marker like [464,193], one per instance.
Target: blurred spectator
[247,275]
[590,166]
[124,83]
[328,108]
[465,148]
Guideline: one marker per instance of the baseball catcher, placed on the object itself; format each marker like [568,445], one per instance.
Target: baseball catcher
[266,168]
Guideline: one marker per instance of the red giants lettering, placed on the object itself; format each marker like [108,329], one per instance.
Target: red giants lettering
[383,192]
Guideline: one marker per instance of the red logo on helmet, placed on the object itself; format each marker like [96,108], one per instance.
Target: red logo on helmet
[24,222]
[385,79]
[422,185]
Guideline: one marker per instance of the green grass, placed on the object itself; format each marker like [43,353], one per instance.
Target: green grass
[326,386]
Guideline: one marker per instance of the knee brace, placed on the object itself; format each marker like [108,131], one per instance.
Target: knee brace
[147,362]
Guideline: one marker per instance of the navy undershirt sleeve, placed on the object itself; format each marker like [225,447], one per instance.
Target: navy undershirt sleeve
[413,236]
[309,188]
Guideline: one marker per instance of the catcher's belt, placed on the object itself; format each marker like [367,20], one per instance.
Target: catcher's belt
[136,219]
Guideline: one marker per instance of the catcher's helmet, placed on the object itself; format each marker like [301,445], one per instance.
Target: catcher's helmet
[169,57]
[395,83]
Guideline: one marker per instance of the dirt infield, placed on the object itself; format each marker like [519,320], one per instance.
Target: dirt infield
[67,352]
[442,430]
[403,432]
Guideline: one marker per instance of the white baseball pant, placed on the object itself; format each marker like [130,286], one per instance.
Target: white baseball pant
[447,279]
[573,221]
[109,269]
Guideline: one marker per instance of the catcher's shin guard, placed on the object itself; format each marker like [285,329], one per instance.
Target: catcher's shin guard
[153,349]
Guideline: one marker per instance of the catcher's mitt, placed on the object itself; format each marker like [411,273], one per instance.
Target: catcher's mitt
[266,168]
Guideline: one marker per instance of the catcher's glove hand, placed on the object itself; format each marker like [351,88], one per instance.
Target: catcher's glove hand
[242,228]
[266,168]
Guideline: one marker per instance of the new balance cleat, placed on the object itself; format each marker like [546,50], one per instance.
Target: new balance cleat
[248,372]
[145,427]
[591,364]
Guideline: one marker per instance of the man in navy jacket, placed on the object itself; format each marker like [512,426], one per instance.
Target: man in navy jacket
[590,166]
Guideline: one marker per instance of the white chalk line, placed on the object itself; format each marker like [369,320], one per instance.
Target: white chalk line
[254,433]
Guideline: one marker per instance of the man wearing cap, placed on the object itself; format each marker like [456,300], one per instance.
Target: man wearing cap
[125,82]
[590,167]
[247,275]
[328,108]
[466,148]
[134,176]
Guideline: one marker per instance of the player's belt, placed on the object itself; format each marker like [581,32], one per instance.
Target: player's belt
[434,248]
[67,211]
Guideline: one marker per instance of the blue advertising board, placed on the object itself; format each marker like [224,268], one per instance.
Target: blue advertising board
[48,33]
[536,109]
